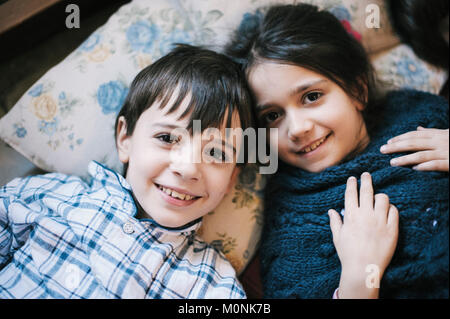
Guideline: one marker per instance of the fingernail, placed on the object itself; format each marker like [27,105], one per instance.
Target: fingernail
[389,142]
[394,162]
[383,148]
[415,167]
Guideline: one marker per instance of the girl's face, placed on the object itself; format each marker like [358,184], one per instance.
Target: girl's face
[318,123]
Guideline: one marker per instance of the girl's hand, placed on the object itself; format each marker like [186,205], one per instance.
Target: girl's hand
[366,239]
[431,146]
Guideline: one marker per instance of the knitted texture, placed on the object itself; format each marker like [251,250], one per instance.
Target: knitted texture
[298,257]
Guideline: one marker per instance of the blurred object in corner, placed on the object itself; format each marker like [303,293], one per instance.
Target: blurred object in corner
[423,25]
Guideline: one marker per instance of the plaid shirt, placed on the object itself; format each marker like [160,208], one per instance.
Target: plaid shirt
[61,237]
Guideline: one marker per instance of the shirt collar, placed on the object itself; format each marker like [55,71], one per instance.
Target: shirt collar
[107,176]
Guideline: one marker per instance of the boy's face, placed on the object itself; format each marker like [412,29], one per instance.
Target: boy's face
[171,185]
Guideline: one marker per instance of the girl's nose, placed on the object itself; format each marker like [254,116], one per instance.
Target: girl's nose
[298,126]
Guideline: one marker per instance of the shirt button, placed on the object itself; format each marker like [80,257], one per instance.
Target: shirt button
[128,228]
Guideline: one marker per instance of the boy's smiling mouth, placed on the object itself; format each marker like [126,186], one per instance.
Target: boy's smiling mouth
[177,196]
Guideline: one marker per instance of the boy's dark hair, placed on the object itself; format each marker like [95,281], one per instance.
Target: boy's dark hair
[215,83]
[304,36]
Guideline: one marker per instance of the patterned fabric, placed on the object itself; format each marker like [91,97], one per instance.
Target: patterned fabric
[298,257]
[63,238]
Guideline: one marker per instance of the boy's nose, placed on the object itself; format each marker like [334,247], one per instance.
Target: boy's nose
[183,163]
[186,171]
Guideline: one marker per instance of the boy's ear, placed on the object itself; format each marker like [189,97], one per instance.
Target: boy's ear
[233,178]
[122,140]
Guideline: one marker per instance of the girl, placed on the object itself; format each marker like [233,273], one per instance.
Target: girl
[313,81]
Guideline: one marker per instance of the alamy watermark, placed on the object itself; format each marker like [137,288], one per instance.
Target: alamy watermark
[73,19]
[239,146]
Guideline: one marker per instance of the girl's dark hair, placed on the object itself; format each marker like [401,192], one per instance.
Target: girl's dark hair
[304,36]
[216,86]
[422,24]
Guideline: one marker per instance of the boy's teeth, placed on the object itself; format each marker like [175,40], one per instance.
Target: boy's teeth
[175,194]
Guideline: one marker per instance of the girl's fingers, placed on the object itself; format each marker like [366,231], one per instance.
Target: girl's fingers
[434,165]
[408,145]
[420,133]
[415,158]
[382,206]
[335,223]
[351,195]
[393,216]
[366,191]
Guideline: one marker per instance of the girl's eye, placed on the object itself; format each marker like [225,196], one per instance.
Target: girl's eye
[167,138]
[312,97]
[270,117]
[217,153]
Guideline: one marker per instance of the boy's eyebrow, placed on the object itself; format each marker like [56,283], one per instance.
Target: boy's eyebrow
[173,126]
[165,125]
[293,92]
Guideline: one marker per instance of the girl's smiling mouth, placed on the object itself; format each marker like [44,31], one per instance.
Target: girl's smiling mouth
[311,148]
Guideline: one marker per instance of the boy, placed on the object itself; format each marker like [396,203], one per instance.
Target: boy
[134,237]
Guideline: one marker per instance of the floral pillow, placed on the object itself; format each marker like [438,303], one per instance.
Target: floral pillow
[66,119]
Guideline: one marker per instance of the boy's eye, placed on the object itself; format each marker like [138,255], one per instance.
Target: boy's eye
[312,97]
[217,154]
[168,138]
[270,117]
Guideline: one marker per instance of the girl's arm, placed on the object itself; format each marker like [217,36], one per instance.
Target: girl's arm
[430,147]
[365,239]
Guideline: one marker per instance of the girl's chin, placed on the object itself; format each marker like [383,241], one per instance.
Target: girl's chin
[315,167]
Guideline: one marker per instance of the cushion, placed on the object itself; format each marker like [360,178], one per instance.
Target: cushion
[66,119]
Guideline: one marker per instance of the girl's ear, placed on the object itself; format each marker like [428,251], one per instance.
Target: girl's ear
[122,140]
[361,103]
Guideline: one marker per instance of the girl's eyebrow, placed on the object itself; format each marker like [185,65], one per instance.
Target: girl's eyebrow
[305,87]
[294,91]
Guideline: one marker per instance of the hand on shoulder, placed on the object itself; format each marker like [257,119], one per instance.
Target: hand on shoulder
[430,147]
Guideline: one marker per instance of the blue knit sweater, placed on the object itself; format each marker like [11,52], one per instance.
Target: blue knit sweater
[298,257]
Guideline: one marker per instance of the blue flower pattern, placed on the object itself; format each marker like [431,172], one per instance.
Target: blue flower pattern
[176,36]
[111,96]
[36,90]
[341,13]
[48,128]
[20,131]
[250,21]
[413,72]
[141,35]
[90,42]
